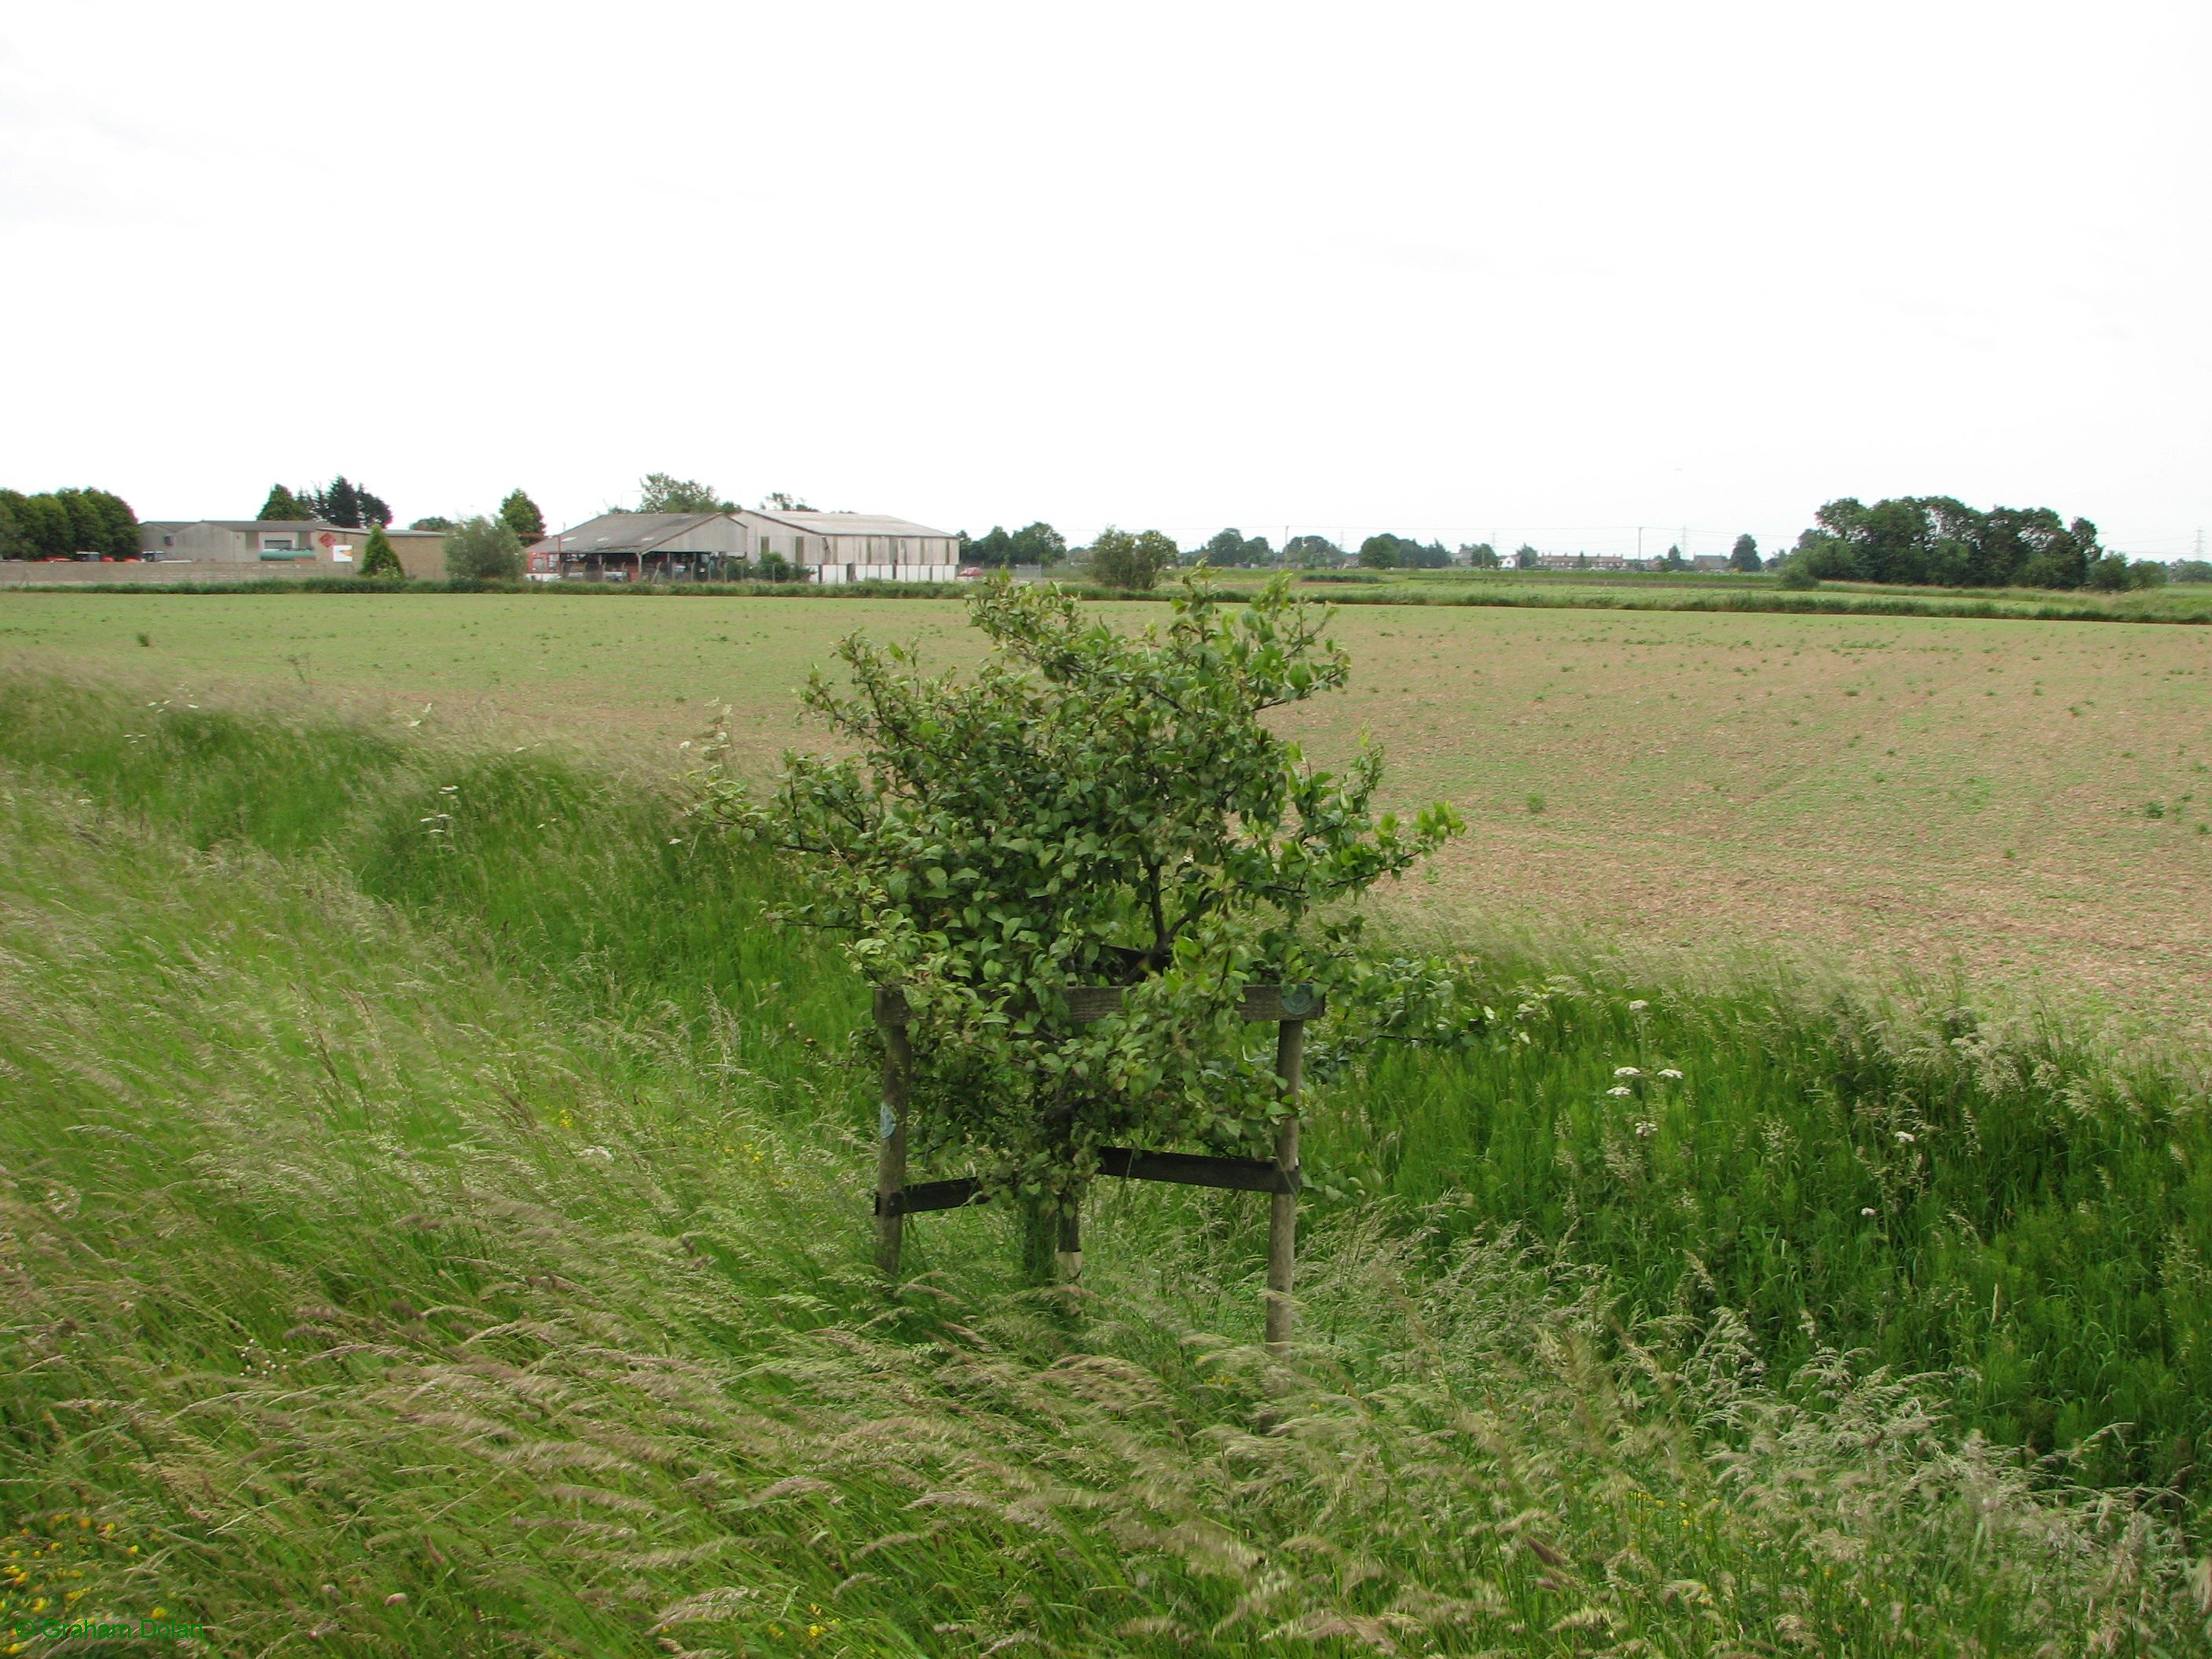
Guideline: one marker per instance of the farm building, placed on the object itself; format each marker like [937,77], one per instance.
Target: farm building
[299,546]
[853,547]
[829,547]
[641,547]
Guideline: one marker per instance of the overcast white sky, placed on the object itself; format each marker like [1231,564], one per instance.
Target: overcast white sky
[1553,269]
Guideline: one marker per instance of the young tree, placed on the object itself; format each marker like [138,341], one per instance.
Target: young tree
[1086,809]
[283,504]
[1745,554]
[521,514]
[484,550]
[379,558]
[659,493]
[1118,559]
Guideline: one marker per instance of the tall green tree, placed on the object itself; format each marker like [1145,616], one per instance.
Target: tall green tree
[379,558]
[1120,559]
[1744,556]
[1038,543]
[61,524]
[1940,541]
[344,502]
[484,550]
[283,504]
[521,515]
[1525,557]
[659,492]
[1480,555]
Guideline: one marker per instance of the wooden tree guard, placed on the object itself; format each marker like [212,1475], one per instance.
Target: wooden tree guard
[1287,1007]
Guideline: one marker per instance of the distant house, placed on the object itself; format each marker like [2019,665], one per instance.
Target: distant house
[274,546]
[825,547]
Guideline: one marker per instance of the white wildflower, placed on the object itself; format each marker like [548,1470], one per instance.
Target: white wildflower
[1621,1089]
[1905,1137]
[599,1152]
[1670,1074]
[1645,1128]
[1628,1071]
[1638,1005]
[1866,1212]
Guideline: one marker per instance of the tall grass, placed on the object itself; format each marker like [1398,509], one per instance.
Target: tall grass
[430,1232]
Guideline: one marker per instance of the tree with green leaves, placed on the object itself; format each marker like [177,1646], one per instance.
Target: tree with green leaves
[1311,552]
[1087,808]
[1744,556]
[991,550]
[283,505]
[521,514]
[658,492]
[484,550]
[62,523]
[1120,559]
[432,521]
[1525,557]
[1480,555]
[1379,553]
[379,558]
[344,502]
[1674,561]
[1038,543]
[777,501]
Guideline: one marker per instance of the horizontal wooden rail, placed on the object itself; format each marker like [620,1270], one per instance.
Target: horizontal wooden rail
[1239,1175]
[1088,1004]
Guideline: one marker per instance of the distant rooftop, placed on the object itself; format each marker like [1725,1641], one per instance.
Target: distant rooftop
[624,532]
[850,524]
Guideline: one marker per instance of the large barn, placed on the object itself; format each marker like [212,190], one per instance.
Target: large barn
[824,547]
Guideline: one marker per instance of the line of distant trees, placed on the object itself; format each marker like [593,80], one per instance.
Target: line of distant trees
[62,523]
[1938,541]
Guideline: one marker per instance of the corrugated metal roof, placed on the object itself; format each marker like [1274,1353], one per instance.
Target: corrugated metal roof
[852,523]
[624,532]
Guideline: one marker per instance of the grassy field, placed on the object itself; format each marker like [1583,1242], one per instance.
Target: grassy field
[2023,803]
[433,1221]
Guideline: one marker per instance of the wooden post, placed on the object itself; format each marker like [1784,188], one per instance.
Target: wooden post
[1282,1207]
[890,1152]
[1071,1239]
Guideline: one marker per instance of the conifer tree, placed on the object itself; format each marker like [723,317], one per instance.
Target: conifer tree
[522,516]
[283,504]
[379,558]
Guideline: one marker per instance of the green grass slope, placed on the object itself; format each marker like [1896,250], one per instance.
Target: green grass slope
[433,1220]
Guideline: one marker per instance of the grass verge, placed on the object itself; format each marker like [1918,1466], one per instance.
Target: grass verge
[393,1255]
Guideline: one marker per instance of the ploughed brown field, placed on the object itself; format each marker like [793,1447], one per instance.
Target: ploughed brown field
[2027,801]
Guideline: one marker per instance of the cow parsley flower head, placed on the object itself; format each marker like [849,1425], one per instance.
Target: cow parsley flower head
[1869,1213]
[1638,1005]
[1670,1074]
[1905,1137]
[1628,1071]
[1621,1089]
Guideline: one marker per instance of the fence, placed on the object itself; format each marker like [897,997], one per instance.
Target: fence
[1288,1007]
